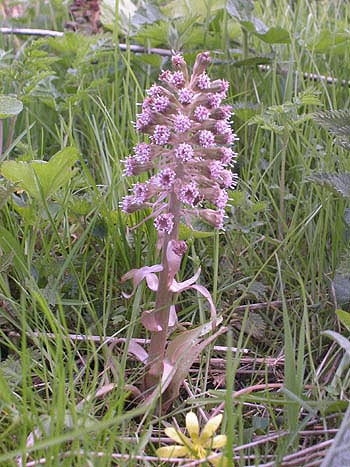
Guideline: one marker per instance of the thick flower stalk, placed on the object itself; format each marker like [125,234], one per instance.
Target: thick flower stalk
[188,150]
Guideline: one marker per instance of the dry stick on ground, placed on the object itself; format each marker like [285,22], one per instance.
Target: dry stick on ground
[107,340]
[168,53]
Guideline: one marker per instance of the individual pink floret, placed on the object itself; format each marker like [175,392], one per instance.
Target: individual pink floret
[164,223]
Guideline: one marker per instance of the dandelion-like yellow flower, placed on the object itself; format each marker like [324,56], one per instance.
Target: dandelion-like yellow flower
[198,445]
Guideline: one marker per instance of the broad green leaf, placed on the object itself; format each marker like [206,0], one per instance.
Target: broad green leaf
[240,9]
[146,14]
[6,188]
[274,35]
[184,9]
[107,13]
[9,106]
[186,233]
[330,42]
[344,318]
[39,178]
[255,26]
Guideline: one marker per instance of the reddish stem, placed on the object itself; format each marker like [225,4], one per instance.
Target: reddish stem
[164,300]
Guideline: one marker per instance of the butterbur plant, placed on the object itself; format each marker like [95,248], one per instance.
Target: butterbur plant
[187,149]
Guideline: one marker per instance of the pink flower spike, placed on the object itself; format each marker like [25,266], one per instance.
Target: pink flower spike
[214,100]
[166,76]
[140,191]
[154,91]
[137,275]
[143,120]
[160,104]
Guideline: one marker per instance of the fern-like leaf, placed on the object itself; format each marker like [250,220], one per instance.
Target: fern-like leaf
[340,183]
[337,122]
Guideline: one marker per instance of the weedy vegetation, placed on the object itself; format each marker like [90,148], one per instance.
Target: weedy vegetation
[259,351]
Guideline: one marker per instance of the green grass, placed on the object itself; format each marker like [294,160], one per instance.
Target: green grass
[61,260]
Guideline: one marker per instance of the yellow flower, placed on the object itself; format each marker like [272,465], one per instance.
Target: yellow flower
[198,445]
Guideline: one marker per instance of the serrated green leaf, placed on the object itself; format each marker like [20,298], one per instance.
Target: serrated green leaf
[9,106]
[237,198]
[39,178]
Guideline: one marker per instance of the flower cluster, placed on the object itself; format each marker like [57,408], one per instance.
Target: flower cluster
[189,148]
[198,445]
